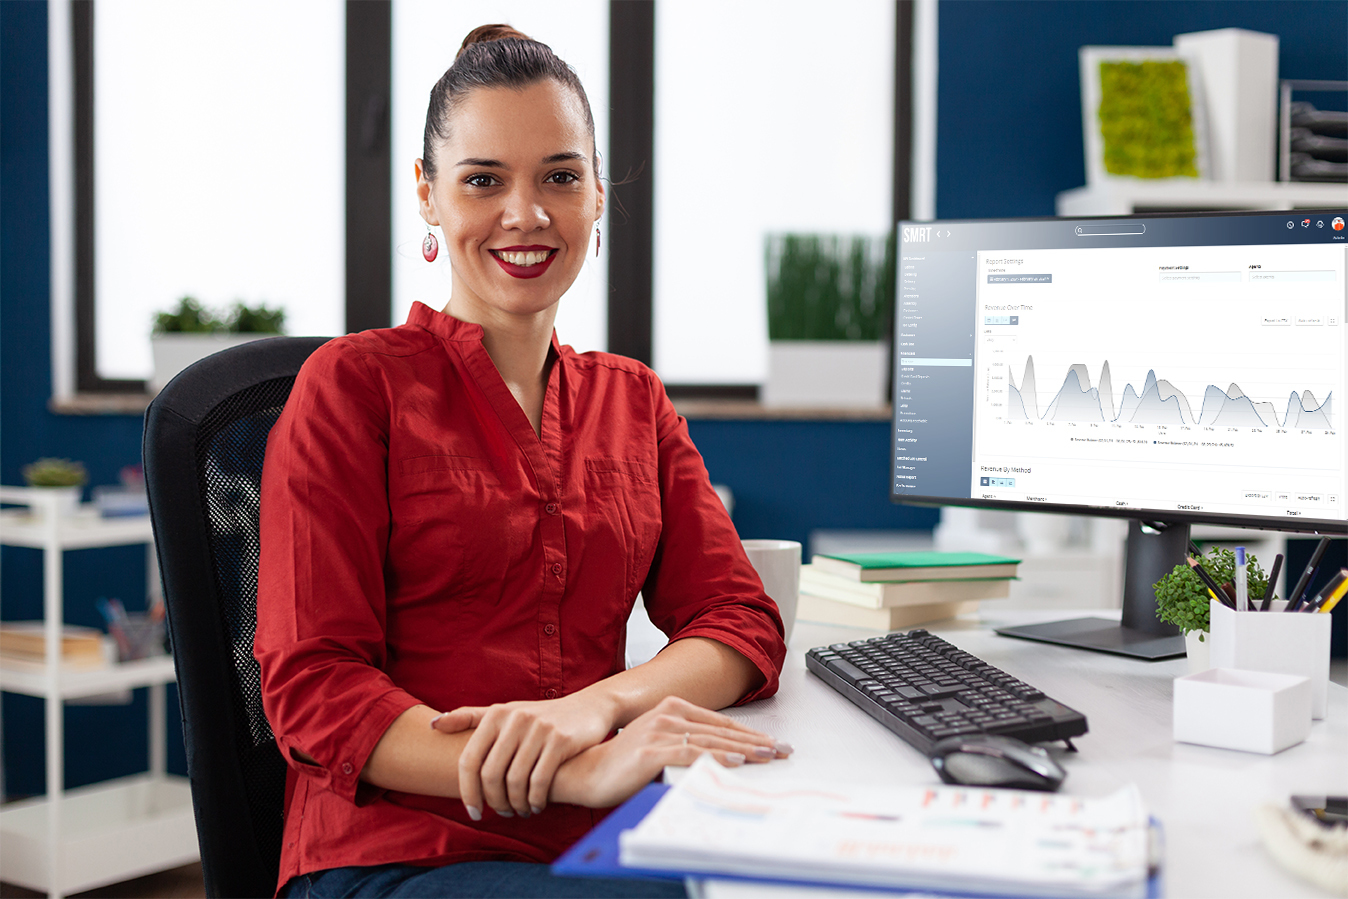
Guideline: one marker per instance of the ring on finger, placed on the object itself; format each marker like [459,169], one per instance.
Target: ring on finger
[685,738]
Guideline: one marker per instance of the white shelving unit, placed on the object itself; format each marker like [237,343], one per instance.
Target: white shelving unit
[1124,196]
[73,840]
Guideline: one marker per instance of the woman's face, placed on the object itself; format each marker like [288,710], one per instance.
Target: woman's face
[517,198]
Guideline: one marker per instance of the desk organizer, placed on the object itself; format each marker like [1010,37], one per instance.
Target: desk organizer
[1277,641]
[1255,711]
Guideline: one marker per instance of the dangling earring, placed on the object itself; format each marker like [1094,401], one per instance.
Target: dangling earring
[597,239]
[430,247]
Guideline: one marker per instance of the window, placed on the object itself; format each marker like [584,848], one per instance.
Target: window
[218,171]
[765,121]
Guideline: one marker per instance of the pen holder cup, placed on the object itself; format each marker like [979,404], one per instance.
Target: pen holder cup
[138,636]
[1284,643]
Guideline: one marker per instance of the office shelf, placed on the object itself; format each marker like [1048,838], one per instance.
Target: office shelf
[108,832]
[73,840]
[75,683]
[1127,195]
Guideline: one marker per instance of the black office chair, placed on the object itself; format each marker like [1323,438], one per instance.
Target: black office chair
[205,436]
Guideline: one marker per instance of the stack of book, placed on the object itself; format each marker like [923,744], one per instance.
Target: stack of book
[23,646]
[888,591]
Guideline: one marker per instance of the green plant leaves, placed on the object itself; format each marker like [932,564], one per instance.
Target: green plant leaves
[192,318]
[1181,598]
[829,287]
[1146,119]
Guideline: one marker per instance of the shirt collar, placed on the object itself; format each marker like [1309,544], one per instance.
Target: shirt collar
[447,326]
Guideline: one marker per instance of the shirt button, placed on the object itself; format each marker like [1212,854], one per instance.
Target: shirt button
[550,508]
[549,629]
[346,767]
[556,567]
[551,694]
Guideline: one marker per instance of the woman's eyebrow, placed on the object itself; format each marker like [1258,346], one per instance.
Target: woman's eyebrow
[481,163]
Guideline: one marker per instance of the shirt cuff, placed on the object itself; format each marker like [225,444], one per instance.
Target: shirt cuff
[770,666]
[343,773]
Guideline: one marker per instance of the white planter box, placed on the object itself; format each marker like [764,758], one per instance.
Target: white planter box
[828,373]
[1255,711]
[174,352]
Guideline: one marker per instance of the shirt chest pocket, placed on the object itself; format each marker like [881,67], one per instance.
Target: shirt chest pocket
[456,522]
[625,496]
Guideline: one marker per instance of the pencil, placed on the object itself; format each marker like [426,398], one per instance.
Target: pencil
[1215,591]
[1328,598]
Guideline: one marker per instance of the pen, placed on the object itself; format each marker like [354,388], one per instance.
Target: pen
[1217,592]
[1329,595]
[1272,582]
[1242,582]
[1294,598]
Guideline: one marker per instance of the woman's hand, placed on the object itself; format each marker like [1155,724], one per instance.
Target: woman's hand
[512,758]
[675,732]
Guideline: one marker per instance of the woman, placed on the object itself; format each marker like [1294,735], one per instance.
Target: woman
[457,515]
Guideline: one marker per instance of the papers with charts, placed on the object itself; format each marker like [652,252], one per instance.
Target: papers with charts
[966,839]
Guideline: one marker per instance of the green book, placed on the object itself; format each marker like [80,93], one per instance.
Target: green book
[916,566]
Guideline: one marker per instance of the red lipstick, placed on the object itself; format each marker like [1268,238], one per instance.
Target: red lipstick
[524,271]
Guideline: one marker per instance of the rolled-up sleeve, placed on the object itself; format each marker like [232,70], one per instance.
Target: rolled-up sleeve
[321,616]
[701,583]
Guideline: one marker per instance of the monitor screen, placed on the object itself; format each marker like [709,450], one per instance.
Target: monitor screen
[1179,368]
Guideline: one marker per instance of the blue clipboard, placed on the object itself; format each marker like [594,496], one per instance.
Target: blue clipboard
[596,855]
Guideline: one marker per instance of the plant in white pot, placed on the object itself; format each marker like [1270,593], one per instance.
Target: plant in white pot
[192,332]
[1182,599]
[829,302]
[59,479]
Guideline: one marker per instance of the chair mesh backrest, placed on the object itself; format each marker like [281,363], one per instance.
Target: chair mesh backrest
[231,443]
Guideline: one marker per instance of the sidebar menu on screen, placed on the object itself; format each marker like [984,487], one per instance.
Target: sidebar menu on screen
[934,328]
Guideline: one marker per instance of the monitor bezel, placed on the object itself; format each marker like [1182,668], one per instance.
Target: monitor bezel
[1317,526]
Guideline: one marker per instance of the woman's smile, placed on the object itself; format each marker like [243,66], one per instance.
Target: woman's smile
[524,262]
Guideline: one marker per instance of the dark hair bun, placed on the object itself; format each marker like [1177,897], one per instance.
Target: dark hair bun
[484,33]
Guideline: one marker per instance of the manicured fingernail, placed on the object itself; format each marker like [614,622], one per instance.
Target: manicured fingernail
[765,752]
[535,809]
[735,759]
[474,812]
[783,747]
[506,813]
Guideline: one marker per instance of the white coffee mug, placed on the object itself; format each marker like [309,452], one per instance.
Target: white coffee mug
[778,565]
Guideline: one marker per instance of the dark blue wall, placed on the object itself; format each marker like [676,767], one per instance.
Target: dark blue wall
[28,430]
[790,477]
[1008,136]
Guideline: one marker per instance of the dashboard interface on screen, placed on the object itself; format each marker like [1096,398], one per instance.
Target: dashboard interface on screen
[1179,367]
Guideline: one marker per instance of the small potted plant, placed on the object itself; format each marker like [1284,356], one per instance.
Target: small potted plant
[61,480]
[192,331]
[1182,600]
[829,303]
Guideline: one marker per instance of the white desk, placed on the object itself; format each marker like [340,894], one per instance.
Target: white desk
[1204,797]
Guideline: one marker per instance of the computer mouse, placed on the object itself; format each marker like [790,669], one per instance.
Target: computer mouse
[985,760]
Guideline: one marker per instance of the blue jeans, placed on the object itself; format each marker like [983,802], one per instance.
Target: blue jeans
[472,879]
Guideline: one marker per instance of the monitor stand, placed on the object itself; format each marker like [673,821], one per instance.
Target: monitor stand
[1153,550]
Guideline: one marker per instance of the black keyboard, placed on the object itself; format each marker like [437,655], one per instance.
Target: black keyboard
[925,689]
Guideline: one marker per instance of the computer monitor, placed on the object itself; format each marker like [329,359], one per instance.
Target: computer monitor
[1170,369]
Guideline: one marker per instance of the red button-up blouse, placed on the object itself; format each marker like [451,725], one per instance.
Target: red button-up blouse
[421,544]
